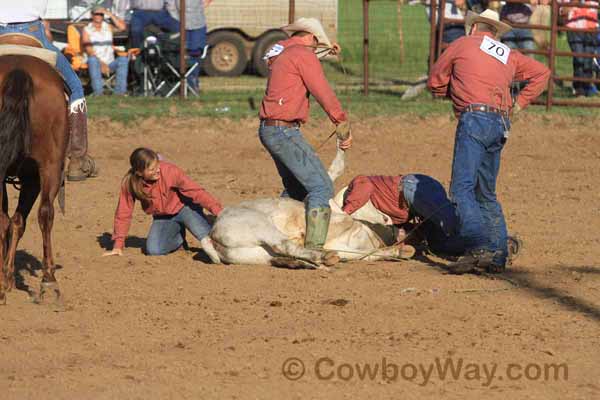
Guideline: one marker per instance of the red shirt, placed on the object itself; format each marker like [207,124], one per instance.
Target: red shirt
[469,76]
[293,75]
[164,199]
[384,193]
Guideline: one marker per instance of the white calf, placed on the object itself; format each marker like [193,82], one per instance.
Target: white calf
[271,231]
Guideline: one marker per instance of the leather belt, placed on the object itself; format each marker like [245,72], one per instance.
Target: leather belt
[19,23]
[278,122]
[485,108]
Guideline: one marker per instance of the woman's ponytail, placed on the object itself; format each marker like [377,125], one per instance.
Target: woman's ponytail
[140,159]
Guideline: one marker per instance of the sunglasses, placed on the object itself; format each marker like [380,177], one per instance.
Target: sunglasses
[97,13]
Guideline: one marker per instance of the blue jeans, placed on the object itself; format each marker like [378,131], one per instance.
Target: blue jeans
[453,32]
[120,64]
[195,40]
[36,30]
[140,19]
[518,38]
[475,166]
[427,199]
[582,42]
[167,233]
[301,171]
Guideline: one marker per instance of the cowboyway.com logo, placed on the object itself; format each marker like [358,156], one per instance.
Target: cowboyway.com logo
[329,369]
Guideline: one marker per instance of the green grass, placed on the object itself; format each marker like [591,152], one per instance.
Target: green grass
[385,49]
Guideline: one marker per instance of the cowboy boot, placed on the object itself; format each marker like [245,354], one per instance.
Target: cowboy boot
[472,261]
[81,165]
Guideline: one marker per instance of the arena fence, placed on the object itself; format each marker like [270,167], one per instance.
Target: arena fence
[553,54]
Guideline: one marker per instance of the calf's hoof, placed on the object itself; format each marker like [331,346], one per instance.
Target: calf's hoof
[330,258]
[406,251]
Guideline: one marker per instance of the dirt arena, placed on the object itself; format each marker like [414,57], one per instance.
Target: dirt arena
[139,327]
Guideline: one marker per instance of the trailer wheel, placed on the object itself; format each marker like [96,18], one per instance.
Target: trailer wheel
[226,55]
[262,45]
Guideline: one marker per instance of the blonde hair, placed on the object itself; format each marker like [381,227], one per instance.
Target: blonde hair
[140,159]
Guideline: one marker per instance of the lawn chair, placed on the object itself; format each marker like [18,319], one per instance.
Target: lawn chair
[160,60]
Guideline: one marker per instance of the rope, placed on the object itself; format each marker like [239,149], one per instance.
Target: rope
[410,233]
[347,94]
[365,254]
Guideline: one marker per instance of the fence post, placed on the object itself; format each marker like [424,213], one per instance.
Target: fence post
[366,47]
[440,33]
[182,63]
[432,35]
[400,30]
[552,55]
[292,11]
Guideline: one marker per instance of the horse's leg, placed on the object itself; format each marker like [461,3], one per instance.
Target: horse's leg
[29,192]
[50,180]
[4,222]
[4,198]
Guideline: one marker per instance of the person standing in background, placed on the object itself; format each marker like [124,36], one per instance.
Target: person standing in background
[580,18]
[518,13]
[195,31]
[149,12]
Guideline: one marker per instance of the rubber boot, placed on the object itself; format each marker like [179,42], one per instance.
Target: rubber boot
[81,165]
[317,225]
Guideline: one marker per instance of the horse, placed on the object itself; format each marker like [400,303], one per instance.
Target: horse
[34,137]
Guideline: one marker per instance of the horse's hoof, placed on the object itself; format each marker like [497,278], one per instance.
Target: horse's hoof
[330,258]
[2,299]
[49,294]
[10,284]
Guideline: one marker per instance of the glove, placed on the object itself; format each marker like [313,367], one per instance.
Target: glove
[342,130]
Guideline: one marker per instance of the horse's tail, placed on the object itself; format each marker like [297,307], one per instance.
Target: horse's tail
[15,126]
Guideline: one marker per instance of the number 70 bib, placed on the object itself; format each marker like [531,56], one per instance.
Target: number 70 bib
[498,50]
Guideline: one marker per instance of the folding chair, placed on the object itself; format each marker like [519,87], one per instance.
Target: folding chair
[161,76]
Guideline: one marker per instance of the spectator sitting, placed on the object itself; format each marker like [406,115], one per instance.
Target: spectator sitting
[518,13]
[149,12]
[98,43]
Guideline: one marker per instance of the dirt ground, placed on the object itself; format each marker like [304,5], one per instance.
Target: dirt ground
[141,327]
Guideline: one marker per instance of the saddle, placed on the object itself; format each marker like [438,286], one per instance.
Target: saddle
[22,44]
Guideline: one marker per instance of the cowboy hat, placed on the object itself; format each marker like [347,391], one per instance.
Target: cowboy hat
[310,25]
[489,17]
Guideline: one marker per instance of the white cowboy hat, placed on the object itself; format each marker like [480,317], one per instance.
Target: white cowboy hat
[310,25]
[490,17]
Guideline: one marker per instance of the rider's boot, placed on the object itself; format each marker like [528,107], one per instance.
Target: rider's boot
[81,165]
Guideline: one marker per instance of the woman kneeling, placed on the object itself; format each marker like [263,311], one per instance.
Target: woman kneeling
[174,200]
